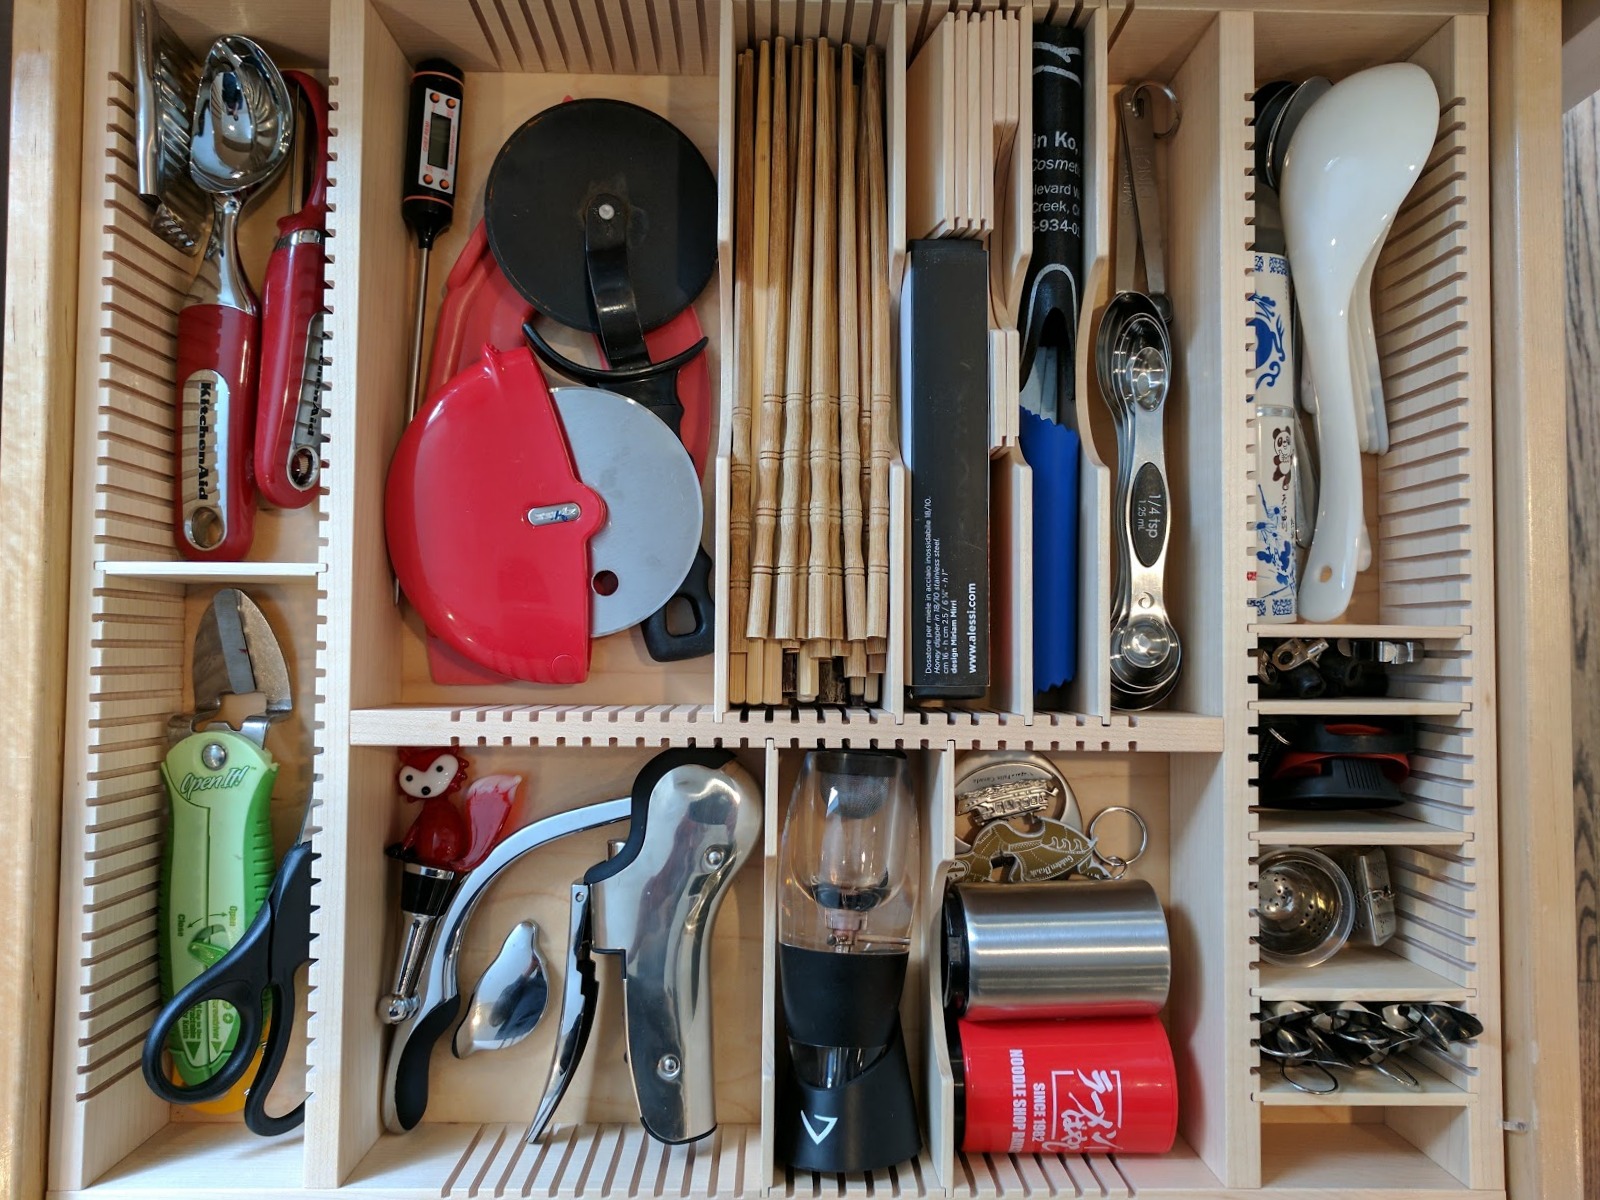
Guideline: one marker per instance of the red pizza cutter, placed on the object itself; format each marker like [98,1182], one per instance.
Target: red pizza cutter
[523,523]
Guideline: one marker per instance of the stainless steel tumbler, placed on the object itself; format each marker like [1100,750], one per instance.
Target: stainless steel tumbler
[1055,950]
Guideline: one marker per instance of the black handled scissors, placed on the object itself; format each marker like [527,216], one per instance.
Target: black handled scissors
[259,971]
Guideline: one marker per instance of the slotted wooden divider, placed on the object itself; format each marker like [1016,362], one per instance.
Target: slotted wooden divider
[1433,562]
[362,686]
[134,611]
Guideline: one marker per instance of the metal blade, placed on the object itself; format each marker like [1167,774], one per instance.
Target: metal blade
[580,994]
[236,654]
[653,503]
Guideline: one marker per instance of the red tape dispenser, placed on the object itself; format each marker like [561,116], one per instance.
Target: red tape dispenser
[489,523]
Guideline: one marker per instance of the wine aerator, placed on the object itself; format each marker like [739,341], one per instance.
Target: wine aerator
[844,933]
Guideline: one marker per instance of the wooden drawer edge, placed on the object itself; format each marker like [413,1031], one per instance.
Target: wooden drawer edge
[35,484]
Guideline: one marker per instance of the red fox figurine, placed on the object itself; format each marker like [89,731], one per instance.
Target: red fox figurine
[443,835]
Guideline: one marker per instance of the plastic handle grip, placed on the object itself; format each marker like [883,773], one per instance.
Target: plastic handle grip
[694,594]
[215,876]
[1052,452]
[1328,580]
[256,977]
[214,502]
[288,442]
[291,946]
[313,213]
[238,980]
[411,1077]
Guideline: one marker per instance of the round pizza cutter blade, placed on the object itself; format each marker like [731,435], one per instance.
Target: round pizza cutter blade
[538,195]
[641,554]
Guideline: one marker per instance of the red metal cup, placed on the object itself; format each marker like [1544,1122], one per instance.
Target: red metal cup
[1083,1086]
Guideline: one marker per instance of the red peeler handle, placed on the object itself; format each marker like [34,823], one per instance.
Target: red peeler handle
[288,442]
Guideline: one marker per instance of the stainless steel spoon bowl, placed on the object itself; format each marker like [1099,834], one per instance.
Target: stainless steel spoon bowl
[243,118]
[239,140]
[1146,657]
[1133,352]
[510,998]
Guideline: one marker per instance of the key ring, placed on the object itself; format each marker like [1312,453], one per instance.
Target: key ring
[1114,864]
[1150,85]
[1300,1085]
[1140,231]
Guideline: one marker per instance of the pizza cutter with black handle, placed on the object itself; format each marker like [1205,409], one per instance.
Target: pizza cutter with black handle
[603,215]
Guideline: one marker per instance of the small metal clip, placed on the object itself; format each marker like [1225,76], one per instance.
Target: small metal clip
[1292,652]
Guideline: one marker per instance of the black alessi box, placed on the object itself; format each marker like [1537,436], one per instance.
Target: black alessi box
[944,347]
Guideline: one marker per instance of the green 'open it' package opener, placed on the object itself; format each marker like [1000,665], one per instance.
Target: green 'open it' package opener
[218,864]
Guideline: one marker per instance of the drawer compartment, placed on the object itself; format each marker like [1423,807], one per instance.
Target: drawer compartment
[135,611]
[479,1108]
[139,666]
[363,687]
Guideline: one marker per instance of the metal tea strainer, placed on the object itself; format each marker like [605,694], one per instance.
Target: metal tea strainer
[1306,907]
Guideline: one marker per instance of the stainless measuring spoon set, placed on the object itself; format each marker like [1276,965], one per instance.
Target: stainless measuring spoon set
[1134,362]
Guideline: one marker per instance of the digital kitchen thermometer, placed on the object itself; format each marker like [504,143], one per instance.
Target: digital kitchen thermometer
[428,178]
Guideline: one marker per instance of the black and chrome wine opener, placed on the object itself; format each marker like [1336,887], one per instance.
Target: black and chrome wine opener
[694,818]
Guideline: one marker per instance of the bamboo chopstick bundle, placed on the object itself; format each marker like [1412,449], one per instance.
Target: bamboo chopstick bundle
[743,299]
[785,615]
[768,423]
[812,416]
[881,449]
[822,509]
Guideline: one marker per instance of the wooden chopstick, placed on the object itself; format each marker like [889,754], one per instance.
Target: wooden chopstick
[780,662]
[755,329]
[849,424]
[822,510]
[882,398]
[769,421]
[785,615]
[743,299]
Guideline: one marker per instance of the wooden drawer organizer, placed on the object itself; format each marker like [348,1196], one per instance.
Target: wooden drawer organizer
[362,687]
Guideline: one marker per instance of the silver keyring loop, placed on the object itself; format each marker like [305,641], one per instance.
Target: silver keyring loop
[1115,864]
[1151,85]
[1303,1085]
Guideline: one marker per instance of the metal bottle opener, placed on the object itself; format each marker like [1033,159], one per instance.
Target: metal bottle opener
[428,996]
